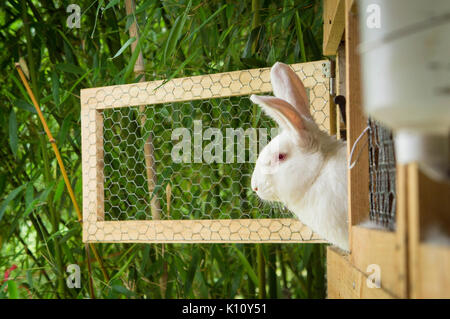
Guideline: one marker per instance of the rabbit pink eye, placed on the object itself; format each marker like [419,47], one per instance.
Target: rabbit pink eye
[281,157]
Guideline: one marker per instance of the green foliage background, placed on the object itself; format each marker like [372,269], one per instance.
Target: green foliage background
[39,232]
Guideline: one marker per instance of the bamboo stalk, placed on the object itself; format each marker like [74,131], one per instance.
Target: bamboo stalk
[91,283]
[139,68]
[250,254]
[272,268]
[261,271]
[60,162]
[47,175]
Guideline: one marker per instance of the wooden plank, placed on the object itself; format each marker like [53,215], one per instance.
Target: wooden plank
[349,5]
[99,165]
[401,287]
[434,205]
[358,177]
[384,249]
[92,165]
[433,273]
[219,85]
[347,282]
[340,88]
[429,252]
[413,230]
[203,231]
[333,25]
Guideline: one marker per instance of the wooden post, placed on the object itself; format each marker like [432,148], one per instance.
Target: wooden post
[358,177]
[333,25]
[340,88]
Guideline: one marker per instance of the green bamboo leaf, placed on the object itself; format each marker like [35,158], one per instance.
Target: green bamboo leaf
[70,68]
[248,268]
[44,195]
[173,37]
[313,43]
[175,32]
[132,61]
[99,6]
[181,67]
[224,35]
[29,194]
[69,93]
[55,88]
[191,272]
[13,292]
[298,28]
[126,264]
[3,289]
[25,106]
[69,234]
[124,291]
[126,45]
[125,73]
[30,279]
[9,198]
[206,21]
[64,131]
[19,84]
[59,191]
[111,4]
[144,6]
[23,215]
[13,134]
[3,177]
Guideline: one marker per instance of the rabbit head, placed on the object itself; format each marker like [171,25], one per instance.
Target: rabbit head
[290,163]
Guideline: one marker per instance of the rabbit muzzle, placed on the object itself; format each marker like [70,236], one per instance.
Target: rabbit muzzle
[263,187]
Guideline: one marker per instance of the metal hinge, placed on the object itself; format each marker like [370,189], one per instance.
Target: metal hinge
[329,71]
[326,69]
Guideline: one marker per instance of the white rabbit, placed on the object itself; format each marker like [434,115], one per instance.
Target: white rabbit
[303,167]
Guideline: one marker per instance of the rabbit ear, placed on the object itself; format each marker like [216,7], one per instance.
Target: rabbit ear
[283,113]
[288,86]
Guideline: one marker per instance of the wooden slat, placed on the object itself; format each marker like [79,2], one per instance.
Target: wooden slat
[358,177]
[100,165]
[382,248]
[385,248]
[333,25]
[434,204]
[219,85]
[429,259]
[413,230]
[401,286]
[346,281]
[203,231]
[92,166]
[340,86]
[433,273]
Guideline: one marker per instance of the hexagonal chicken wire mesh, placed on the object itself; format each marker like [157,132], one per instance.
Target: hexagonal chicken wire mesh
[183,162]
[382,176]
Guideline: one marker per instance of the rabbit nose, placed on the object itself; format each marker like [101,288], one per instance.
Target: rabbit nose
[255,189]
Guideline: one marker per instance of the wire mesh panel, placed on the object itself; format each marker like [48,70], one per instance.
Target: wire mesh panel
[382,176]
[172,161]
